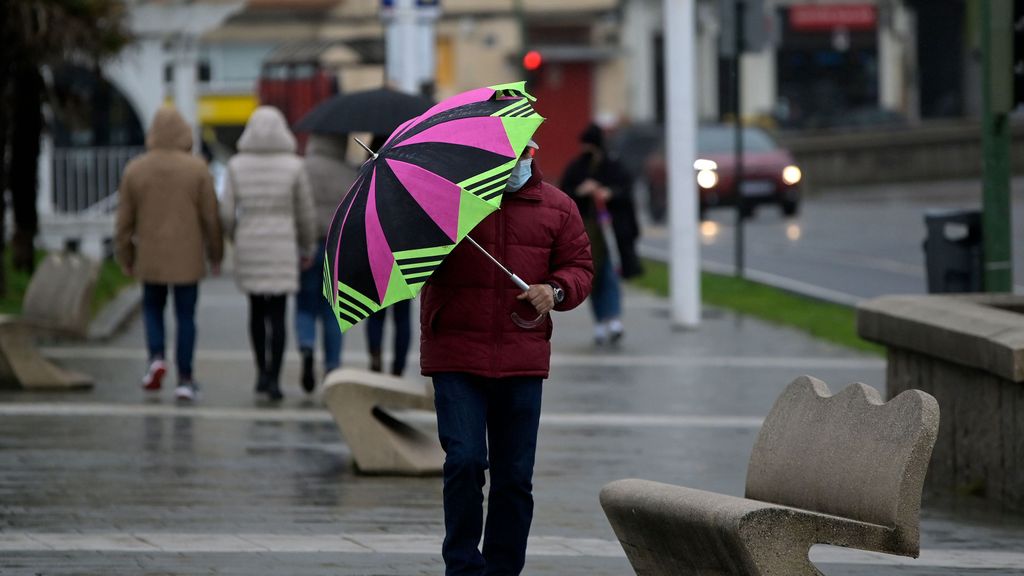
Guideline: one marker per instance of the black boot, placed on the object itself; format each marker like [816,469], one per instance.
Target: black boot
[262,382]
[308,379]
[274,390]
[376,362]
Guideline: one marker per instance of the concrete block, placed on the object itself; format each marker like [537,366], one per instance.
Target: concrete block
[845,470]
[364,405]
[1011,426]
[958,329]
[919,371]
[116,313]
[968,351]
[58,300]
[977,446]
[22,366]
[59,295]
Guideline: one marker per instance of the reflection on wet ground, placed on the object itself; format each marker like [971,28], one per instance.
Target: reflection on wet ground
[232,486]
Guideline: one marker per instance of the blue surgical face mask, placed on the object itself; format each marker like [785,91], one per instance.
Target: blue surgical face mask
[520,174]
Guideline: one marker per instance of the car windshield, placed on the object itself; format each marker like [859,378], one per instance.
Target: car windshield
[722,139]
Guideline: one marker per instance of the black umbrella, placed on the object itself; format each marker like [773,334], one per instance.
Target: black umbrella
[378,111]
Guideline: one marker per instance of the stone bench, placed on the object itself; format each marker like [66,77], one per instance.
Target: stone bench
[57,302]
[844,470]
[365,406]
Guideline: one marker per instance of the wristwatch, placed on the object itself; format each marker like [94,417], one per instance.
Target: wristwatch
[558,293]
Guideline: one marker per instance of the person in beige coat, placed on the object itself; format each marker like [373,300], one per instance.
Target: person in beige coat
[166,228]
[267,211]
[330,177]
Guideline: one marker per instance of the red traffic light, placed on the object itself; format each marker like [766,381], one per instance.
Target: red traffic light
[532,60]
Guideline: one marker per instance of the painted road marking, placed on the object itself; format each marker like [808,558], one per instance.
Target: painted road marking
[565,420]
[567,360]
[430,544]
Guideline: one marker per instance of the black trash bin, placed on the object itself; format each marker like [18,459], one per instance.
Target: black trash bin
[953,251]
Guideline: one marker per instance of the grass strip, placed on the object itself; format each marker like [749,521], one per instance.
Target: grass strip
[831,322]
[108,285]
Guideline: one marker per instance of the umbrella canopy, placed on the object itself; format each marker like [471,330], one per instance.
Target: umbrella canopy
[378,111]
[431,183]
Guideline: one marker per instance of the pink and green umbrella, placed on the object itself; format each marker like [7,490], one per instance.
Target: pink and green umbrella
[432,182]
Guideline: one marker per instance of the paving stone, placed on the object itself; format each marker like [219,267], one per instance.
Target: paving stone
[161,483]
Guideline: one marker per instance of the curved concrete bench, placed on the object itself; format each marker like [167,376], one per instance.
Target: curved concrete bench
[364,406]
[845,470]
[57,301]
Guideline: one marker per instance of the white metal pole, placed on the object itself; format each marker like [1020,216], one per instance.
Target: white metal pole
[44,196]
[186,95]
[407,53]
[681,150]
[427,45]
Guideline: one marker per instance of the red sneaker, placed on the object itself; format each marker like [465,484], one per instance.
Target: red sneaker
[151,381]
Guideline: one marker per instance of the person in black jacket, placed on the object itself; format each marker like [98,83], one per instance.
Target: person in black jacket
[603,191]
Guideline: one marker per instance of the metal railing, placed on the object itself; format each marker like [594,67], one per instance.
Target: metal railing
[86,179]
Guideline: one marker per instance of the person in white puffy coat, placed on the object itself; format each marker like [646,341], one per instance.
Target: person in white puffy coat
[268,213]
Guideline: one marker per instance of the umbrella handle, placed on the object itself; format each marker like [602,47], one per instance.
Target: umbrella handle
[527,324]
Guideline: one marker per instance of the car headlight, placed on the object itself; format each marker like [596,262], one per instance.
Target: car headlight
[791,174]
[704,164]
[707,179]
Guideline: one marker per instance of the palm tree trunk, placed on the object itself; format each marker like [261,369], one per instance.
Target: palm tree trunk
[25,134]
[6,54]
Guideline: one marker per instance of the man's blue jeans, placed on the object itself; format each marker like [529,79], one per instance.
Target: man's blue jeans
[154,300]
[310,306]
[475,414]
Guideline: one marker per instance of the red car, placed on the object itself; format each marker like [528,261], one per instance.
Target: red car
[770,175]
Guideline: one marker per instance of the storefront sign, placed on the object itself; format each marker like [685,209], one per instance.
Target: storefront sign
[825,17]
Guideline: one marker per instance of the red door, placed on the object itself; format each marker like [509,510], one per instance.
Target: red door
[564,91]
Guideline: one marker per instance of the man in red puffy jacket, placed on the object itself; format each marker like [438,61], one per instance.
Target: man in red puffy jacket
[487,346]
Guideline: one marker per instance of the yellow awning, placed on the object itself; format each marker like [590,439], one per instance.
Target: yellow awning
[226,109]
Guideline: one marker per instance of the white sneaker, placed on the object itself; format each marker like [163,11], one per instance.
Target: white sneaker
[616,330]
[187,392]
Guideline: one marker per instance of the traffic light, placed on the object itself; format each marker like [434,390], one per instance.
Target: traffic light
[532,60]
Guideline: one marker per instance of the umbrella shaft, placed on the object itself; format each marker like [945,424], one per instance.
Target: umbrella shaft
[365,147]
[516,279]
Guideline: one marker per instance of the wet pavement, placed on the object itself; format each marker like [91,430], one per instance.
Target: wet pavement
[112,482]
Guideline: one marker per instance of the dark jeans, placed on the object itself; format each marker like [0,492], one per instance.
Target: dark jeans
[310,307]
[475,414]
[606,294]
[403,333]
[154,300]
[266,331]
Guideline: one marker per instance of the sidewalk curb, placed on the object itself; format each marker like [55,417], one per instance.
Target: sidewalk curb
[795,287]
[115,314]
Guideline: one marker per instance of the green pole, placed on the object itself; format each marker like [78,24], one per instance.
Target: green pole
[997,96]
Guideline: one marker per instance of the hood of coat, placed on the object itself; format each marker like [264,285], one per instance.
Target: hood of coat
[266,131]
[330,146]
[169,131]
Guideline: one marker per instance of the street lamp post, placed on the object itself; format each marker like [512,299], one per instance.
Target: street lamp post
[737,100]
[409,37]
[681,150]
